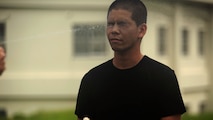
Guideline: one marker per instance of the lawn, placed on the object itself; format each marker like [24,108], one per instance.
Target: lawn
[203,116]
[69,115]
[50,115]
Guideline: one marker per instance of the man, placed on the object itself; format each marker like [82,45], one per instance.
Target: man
[3,113]
[131,86]
[2,60]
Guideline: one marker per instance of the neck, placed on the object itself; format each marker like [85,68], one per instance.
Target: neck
[125,61]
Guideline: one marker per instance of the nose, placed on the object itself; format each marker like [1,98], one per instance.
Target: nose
[115,29]
[2,53]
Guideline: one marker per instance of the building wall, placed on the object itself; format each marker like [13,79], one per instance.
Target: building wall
[192,68]
[39,48]
[42,65]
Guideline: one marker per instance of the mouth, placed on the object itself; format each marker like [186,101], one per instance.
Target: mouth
[115,40]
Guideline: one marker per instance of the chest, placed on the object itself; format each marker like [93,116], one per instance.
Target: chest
[117,90]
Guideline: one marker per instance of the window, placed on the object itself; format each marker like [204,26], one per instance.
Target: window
[2,34]
[185,42]
[89,39]
[202,107]
[162,41]
[201,38]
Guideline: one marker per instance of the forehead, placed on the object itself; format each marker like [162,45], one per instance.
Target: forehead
[119,14]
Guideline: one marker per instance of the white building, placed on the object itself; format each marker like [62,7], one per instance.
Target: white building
[52,44]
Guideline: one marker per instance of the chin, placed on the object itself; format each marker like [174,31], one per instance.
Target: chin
[118,50]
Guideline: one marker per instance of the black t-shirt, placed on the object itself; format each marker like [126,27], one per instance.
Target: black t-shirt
[147,91]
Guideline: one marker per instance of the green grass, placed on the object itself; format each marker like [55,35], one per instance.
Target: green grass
[203,116]
[69,115]
[50,115]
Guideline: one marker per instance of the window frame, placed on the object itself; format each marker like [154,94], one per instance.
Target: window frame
[185,41]
[92,48]
[201,42]
[162,40]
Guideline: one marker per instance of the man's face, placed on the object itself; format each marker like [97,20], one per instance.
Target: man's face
[2,60]
[122,32]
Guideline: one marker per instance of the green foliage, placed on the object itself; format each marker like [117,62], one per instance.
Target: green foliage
[51,115]
[3,118]
[203,116]
[69,115]
[19,116]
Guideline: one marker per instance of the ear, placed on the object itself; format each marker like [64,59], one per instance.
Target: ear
[142,30]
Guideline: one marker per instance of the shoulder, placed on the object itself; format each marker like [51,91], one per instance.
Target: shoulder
[100,69]
[158,70]
[155,65]
[104,66]
[95,74]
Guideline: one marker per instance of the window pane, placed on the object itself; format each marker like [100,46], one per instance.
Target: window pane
[162,41]
[89,39]
[185,42]
[201,42]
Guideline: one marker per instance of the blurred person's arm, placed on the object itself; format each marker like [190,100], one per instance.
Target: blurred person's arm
[2,60]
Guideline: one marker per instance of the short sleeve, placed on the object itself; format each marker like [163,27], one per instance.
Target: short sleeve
[169,96]
[83,103]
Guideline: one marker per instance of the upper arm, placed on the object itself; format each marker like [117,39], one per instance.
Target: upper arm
[170,100]
[173,117]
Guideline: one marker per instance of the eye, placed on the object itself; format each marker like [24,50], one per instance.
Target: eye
[110,24]
[122,24]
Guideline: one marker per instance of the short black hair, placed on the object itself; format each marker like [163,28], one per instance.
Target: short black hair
[136,7]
